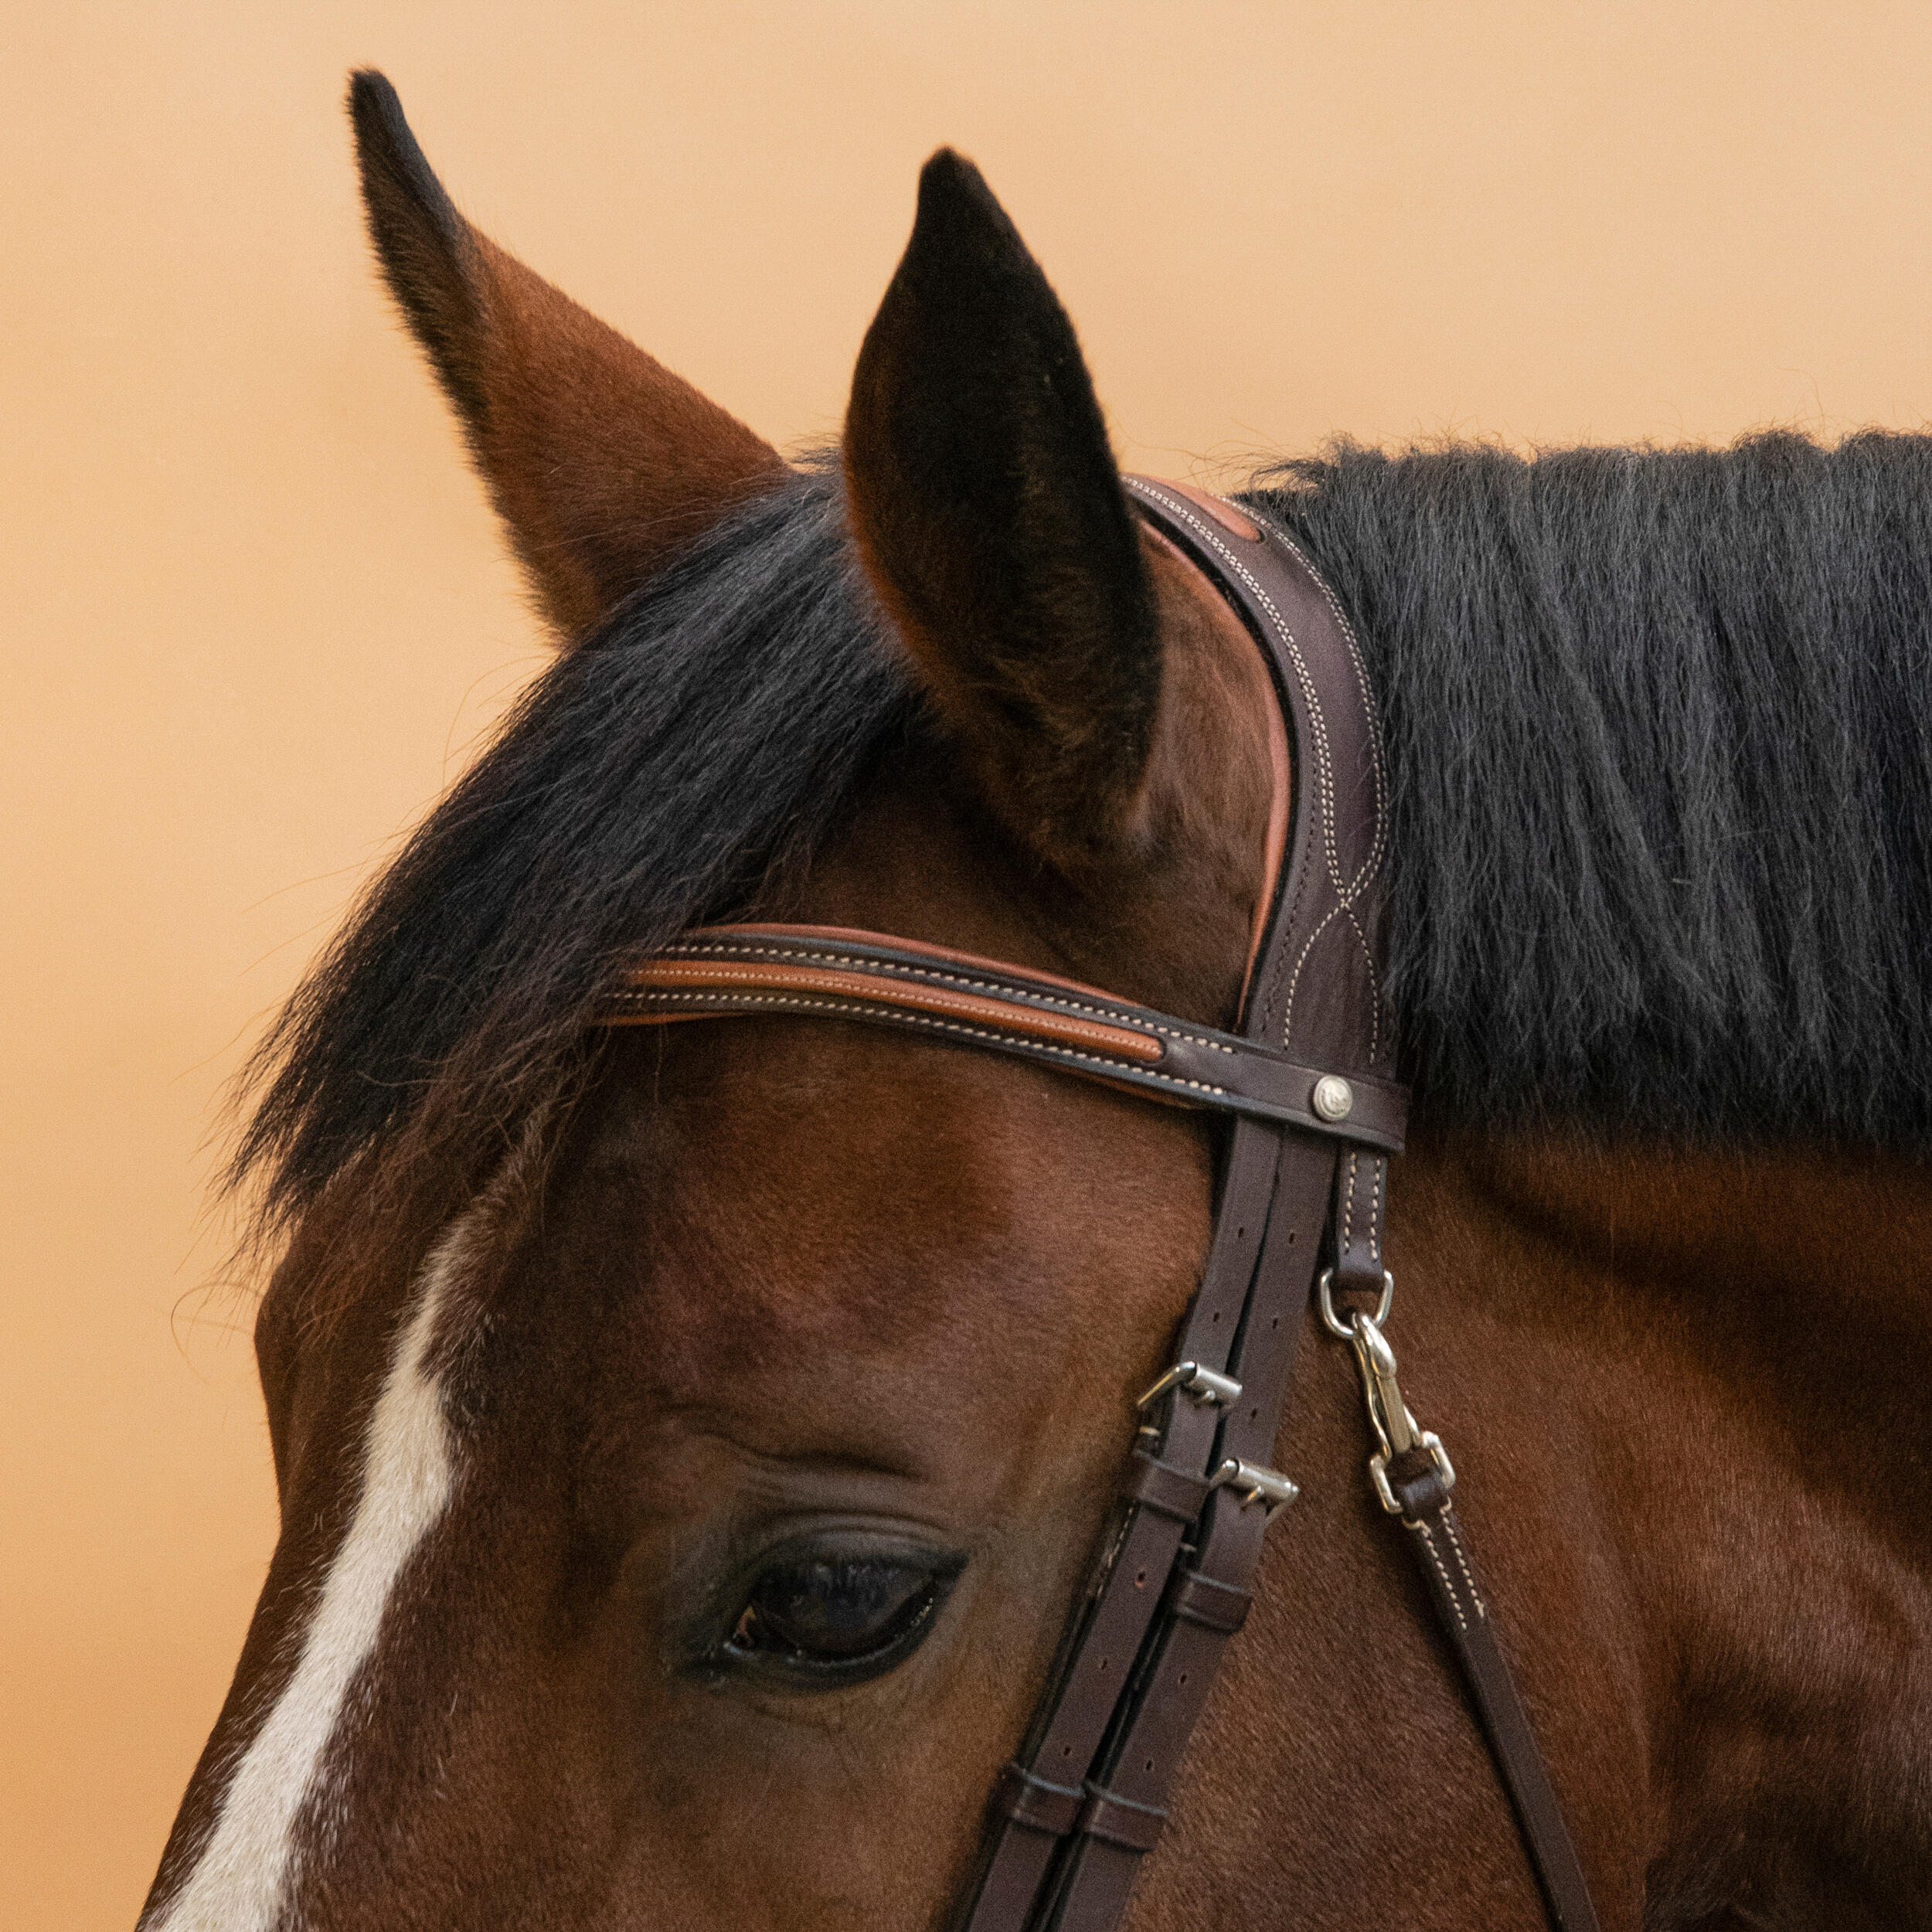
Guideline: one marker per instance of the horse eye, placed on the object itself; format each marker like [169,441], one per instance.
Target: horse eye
[835,1619]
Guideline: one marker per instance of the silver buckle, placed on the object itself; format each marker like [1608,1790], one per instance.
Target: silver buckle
[1254,1484]
[1201,1386]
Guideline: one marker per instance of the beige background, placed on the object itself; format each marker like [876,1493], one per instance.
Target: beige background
[255,612]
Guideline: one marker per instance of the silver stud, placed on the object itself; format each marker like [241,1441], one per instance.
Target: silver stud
[1334,1098]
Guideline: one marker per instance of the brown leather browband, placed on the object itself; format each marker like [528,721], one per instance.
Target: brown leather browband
[821,970]
[1316,1111]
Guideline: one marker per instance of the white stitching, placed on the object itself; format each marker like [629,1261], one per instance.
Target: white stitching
[1348,1204]
[867,963]
[1449,1589]
[900,1016]
[1462,1562]
[1374,1210]
[1375,1005]
[1301,960]
[622,1000]
[1323,768]
[1346,892]
[1379,846]
[1343,907]
[1362,680]
[1355,655]
[1361,673]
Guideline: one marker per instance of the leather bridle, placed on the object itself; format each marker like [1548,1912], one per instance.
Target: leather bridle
[1309,1079]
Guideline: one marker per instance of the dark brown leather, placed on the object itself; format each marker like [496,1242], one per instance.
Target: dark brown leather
[1120,1822]
[1314,997]
[1222,512]
[1032,1801]
[716,971]
[1124,1599]
[717,966]
[1143,1751]
[1442,1554]
[1158,1485]
[1308,1079]
[1196,1599]
[1361,1191]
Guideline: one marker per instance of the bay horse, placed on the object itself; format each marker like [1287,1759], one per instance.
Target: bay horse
[691,1440]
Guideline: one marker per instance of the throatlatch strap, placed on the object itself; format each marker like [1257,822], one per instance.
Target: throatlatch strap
[1309,1081]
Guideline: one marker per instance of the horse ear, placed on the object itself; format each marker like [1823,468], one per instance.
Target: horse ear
[990,517]
[603,464]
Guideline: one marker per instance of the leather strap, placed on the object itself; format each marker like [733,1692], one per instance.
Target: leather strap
[1314,999]
[716,971]
[1361,1190]
[1143,1752]
[1442,1551]
[1124,1599]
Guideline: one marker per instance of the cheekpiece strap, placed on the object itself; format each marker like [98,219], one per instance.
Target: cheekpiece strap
[1307,1080]
[1209,1428]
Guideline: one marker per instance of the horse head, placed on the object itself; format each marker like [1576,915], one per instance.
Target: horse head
[692,1439]
[679,1532]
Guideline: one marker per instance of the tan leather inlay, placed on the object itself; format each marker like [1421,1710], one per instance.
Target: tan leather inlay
[855,936]
[1278,808]
[1223,512]
[734,976]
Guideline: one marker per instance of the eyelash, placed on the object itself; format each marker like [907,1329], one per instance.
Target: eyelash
[791,1590]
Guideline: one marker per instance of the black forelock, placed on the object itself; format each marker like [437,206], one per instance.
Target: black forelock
[651,777]
[1659,729]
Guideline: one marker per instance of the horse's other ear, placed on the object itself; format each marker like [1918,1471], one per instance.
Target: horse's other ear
[603,464]
[991,516]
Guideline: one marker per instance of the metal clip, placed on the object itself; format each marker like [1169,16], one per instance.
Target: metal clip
[1256,1484]
[1396,1430]
[1337,1325]
[1201,1386]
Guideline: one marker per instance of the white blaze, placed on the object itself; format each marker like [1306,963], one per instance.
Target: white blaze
[236,1884]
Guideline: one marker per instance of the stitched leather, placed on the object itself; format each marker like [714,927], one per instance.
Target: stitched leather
[1144,1751]
[1360,1189]
[1075,1714]
[716,971]
[666,978]
[1442,1551]
[1314,992]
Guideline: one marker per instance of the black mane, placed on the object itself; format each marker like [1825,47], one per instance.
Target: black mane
[1659,727]
[1660,730]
